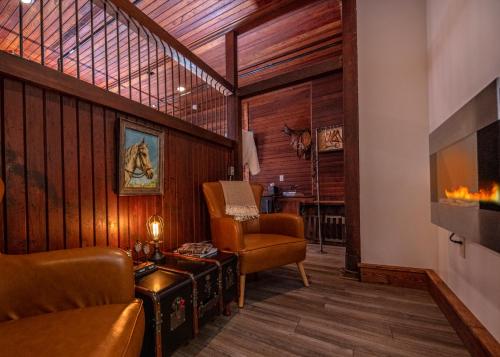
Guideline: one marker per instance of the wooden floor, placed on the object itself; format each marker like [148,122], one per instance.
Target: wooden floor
[333,317]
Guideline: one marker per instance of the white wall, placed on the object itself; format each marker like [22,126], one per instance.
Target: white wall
[393,134]
[463,57]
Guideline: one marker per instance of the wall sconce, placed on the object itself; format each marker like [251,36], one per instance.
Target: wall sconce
[154,226]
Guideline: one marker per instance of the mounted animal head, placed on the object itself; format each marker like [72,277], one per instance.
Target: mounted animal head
[300,140]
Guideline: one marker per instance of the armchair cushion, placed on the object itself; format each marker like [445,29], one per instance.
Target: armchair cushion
[74,302]
[227,234]
[105,330]
[38,283]
[266,251]
[282,223]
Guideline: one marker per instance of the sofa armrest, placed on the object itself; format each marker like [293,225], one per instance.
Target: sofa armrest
[227,234]
[282,223]
[39,283]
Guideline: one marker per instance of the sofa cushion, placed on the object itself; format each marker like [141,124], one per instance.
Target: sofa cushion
[265,251]
[105,330]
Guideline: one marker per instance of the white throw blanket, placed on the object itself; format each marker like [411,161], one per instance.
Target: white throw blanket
[240,201]
[249,152]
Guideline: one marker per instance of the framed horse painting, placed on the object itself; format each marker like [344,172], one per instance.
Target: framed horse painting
[140,169]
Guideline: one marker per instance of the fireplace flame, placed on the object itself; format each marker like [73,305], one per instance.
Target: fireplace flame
[484,195]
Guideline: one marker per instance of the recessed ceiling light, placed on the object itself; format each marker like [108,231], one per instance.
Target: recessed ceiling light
[195,107]
[27,1]
[181,89]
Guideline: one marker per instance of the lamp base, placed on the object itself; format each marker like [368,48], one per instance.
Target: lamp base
[158,257]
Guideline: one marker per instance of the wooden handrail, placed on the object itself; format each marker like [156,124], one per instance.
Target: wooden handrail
[133,12]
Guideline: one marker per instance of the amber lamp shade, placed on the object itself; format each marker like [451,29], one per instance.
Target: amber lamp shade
[154,226]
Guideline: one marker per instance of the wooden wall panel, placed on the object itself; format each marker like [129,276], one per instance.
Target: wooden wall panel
[15,178]
[85,170]
[35,169]
[268,113]
[60,163]
[99,176]
[317,103]
[54,172]
[3,242]
[70,173]
[326,103]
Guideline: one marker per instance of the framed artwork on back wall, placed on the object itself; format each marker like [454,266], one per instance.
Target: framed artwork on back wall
[140,168]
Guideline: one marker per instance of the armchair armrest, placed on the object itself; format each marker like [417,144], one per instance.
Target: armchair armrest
[38,283]
[282,223]
[227,234]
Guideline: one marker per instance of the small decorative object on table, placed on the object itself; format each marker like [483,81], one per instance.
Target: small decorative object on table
[200,250]
[168,305]
[155,231]
[143,269]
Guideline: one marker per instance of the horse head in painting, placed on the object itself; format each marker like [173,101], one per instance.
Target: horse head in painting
[137,162]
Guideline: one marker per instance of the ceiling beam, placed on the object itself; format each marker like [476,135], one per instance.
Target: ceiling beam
[274,11]
[283,80]
[240,26]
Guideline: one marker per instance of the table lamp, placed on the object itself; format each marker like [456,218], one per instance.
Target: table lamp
[155,231]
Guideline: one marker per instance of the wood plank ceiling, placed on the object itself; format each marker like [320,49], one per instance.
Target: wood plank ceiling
[307,32]
[297,33]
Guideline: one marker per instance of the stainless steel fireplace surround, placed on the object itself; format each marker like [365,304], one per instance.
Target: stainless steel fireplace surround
[465,156]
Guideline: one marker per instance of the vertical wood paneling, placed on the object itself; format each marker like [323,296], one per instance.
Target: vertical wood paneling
[3,243]
[54,164]
[15,179]
[70,178]
[110,168]
[268,114]
[86,170]
[99,176]
[35,169]
[60,163]
[327,110]
[314,104]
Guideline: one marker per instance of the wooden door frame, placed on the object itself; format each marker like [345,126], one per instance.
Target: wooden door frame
[351,126]
[351,136]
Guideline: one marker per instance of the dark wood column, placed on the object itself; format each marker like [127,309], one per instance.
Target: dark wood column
[351,135]
[234,111]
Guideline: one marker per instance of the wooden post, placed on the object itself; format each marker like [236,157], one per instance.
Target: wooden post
[233,103]
[351,135]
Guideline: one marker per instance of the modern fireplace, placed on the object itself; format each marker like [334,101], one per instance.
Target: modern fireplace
[465,170]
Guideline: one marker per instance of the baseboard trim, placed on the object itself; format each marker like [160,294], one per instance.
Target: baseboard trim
[393,275]
[476,338]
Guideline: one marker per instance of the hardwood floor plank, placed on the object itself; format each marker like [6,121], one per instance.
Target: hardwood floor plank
[333,317]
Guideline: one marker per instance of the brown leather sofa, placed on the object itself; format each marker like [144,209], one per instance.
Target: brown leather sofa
[75,302]
[271,241]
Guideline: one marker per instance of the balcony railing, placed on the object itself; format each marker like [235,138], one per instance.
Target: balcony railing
[114,46]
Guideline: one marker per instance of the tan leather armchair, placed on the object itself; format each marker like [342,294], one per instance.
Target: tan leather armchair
[271,241]
[75,302]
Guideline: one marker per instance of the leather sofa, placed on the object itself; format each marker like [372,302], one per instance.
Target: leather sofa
[75,302]
[271,241]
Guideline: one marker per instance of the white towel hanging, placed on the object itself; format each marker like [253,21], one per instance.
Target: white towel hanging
[249,152]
